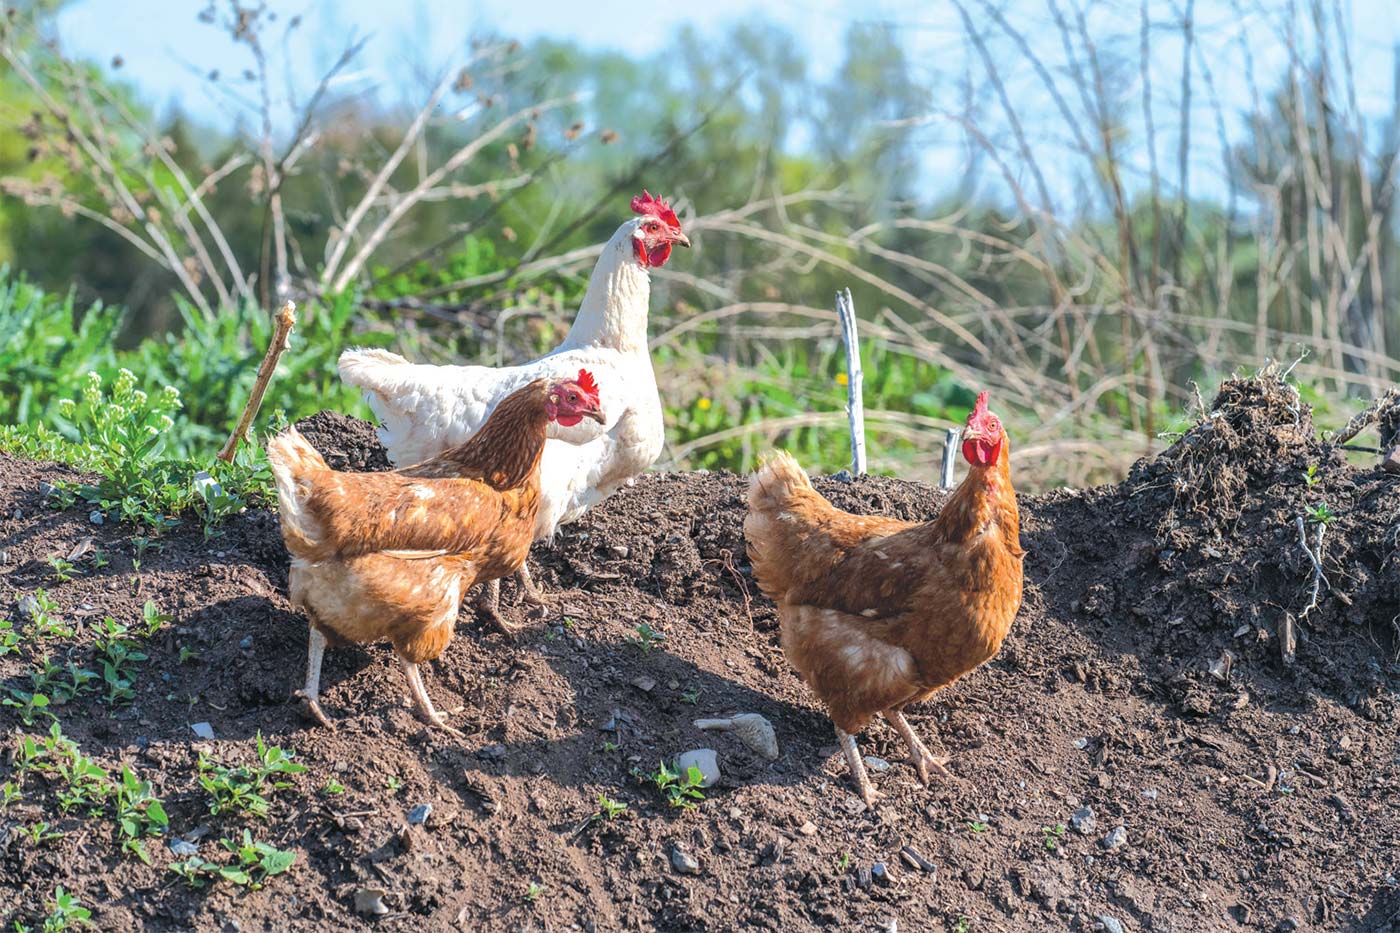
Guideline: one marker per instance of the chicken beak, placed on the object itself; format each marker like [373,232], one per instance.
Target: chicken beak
[596,415]
[680,239]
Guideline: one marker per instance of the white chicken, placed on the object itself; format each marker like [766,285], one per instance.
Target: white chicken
[425,409]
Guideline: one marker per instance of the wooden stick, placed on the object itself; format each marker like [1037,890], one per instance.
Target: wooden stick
[950,455]
[855,403]
[286,318]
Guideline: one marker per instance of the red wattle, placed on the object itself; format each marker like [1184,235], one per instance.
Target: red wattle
[568,421]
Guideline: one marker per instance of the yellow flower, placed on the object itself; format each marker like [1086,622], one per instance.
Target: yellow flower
[703,404]
[842,379]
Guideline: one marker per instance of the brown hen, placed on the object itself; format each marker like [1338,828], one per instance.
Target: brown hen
[878,613]
[389,555]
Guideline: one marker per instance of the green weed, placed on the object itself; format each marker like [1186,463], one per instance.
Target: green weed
[242,789]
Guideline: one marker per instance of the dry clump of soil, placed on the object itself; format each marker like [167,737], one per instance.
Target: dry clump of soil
[1257,797]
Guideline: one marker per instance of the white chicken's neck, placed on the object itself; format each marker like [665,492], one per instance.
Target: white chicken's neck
[614,310]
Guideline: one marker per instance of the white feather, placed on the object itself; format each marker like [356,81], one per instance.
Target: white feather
[424,410]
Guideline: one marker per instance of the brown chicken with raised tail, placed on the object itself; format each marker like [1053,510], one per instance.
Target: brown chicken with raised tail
[389,555]
[877,613]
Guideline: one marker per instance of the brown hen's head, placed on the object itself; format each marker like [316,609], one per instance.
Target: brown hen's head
[569,401]
[983,436]
[656,231]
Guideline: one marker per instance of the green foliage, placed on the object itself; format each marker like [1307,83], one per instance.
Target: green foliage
[647,638]
[254,863]
[1050,836]
[117,654]
[139,813]
[242,789]
[677,789]
[30,705]
[608,809]
[1320,514]
[65,912]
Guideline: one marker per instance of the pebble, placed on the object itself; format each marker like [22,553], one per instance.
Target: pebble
[203,730]
[876,764]
[1082,821]
[808,828]
[371,901]
[47,489]
[183,849]
[419,814]
[1110,924]
[1081,743]
[246,643]
[683,862]
[621,550]
[914,860]
[706,760]
[1150,793]
[492,752]
[644,684]
[1115,839]
[853,805]
[95,517]
[880,873]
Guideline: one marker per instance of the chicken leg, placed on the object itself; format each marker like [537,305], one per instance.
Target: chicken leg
[489,604]
[868,793]
[421,700]
[311,693]
[919,756]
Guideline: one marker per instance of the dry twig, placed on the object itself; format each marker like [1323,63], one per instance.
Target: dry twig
[285,319]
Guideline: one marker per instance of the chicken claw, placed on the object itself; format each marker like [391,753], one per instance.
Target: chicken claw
[422,701]
[488,605]
[867,790]
[920,757]
[311,693]
[311,707]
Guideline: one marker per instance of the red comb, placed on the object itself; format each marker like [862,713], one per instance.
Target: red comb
[644,203]
[981,407]
[586,383]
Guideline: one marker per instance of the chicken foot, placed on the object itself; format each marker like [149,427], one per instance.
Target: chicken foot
[311,693]
[489,604]
[868,793]
[920,757]
[422,701]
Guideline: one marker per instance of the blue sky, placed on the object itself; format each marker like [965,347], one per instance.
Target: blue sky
[166,51]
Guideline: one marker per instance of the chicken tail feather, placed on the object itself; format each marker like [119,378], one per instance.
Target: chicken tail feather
[772,492]
[294,463]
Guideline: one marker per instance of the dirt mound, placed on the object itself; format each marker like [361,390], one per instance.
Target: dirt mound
[1257,797]
[347,443]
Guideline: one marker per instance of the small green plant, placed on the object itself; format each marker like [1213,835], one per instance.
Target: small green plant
[691,696]
[63,569]
[139,813]
[30,705]
[65,912]
[39,833]
[532,892]
[9,638]
[608,746]
[679,790]
[978,827]
[153,618]
[332,786]
[647,638]
[10,793]
[242,789]
[393,783]
[843,861]
[255,863]
[117,654]
[1050,836]
[1320,514]
[962,924]
[99,558]
[42,617]
[608,809]
[1311,477]
[188,654]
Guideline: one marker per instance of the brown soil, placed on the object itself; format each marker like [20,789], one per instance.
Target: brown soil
[1261,797]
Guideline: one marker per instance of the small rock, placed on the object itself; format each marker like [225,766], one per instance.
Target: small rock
[95,517]
[914,860]
[842,476]
[864,876]
[1150,793]
[1081,744]
[1082,821]
[47,489]
[183,849]
[879,873]
[876,764]
[853,805]
[621,551]
[644,684]
[683,862]
[808,828]
[754,730]
[203,730]
[772,853]
[371,901]
[419,814]
[246,643]
[492,752]
[1115,839]
[706,760]
[1110,924]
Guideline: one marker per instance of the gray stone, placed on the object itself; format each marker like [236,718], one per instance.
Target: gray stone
[419,814]
[183,849]
[1082,821]
[1110,924]
[704,759]
[683,862]
[876,764]
[203,730]
[1115,839]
